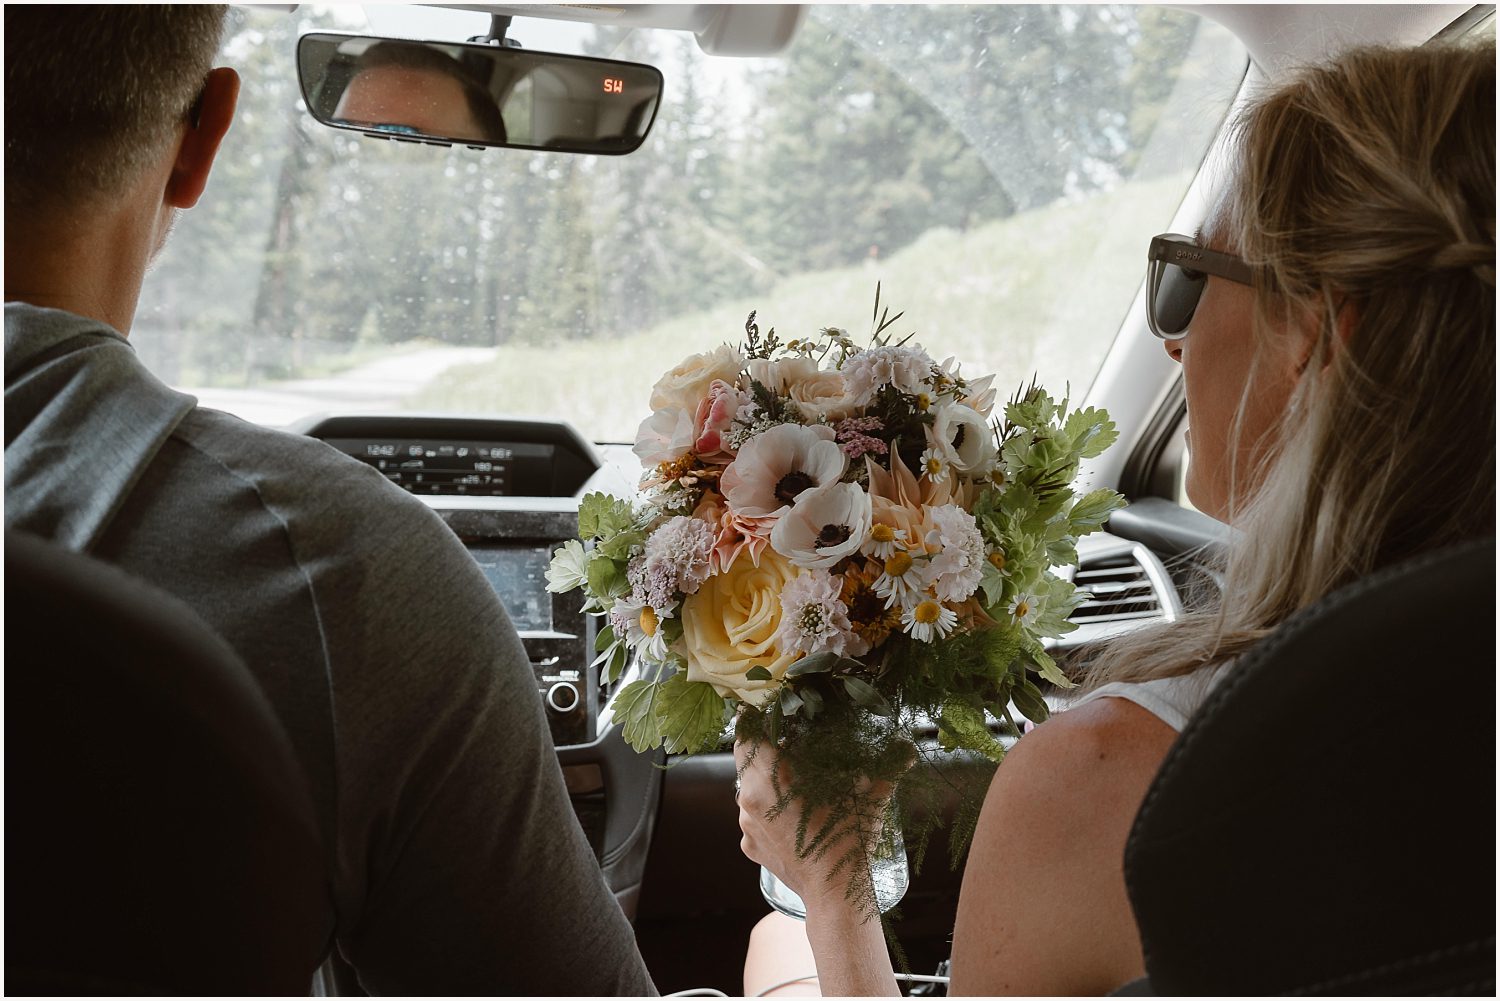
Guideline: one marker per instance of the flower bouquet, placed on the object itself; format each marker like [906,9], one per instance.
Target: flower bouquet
[843,551]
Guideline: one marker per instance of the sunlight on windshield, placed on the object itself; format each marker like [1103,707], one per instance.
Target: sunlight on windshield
[997,169]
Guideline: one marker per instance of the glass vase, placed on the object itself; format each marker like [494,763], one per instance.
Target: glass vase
[888,871]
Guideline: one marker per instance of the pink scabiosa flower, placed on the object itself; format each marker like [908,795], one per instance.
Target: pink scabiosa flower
[824,526]
[777,466]
[814,619]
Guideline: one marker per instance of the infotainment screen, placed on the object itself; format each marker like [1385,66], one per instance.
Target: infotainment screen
[518,575]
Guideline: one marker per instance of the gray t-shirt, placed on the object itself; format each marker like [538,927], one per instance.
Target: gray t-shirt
[456,862]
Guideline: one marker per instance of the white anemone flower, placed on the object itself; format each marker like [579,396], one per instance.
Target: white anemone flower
[959,564]
[1024,608]
[824,526]
[884,541]
[902,580]
[777,466]
[964,438]
[927,620]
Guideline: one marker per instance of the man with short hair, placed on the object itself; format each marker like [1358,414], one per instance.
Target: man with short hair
[455,861]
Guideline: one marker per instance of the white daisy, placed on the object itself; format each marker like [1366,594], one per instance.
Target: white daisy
[884,541]
[640,625]
[927,620]
[902,580]
[1024,608]
[935,464]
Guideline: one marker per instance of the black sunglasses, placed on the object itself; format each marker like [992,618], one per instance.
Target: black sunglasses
[1177,271]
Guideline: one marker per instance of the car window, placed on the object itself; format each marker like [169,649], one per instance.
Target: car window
[996,169]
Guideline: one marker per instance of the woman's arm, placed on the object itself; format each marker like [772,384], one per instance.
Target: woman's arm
[1043,908]
[850,951]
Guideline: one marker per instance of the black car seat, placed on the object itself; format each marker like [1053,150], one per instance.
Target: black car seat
[1326,823]
[159,837]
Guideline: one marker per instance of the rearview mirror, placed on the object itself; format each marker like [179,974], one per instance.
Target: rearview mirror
[477,95]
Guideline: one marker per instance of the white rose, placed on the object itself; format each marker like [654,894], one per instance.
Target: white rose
[684,386]
[665,436]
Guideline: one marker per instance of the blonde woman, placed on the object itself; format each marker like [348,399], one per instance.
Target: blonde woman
[1338,349]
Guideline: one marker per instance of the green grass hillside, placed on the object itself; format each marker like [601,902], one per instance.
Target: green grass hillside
[1042,291]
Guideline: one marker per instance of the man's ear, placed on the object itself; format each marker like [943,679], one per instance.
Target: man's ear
[201,138]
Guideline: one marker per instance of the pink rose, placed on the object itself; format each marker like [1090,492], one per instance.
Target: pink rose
[712,420]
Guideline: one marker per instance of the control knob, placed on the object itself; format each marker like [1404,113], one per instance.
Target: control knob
[563,697]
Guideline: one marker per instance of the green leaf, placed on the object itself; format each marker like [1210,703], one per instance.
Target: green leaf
[635,708]
[619,657]
[1046,666]
[961,725]
[671,630]
[618,547]
[607,577]
[865,695]
[601,516]
[1091,431]
[758,673]
[1028,699]
[566,571]
[690,714]
[992,582]
[605,638]
[790,702]
[812,701]
[1093,509]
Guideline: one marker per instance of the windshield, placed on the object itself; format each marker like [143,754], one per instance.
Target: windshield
[998,170]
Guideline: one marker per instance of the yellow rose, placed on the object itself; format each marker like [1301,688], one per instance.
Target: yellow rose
[730,626]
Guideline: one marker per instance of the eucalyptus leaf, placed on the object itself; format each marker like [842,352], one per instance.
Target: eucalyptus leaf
[790,702]
[758,673]
[1028,699]
[821,663]
[866,696]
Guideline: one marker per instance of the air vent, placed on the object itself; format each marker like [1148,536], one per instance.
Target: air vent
[1118,590]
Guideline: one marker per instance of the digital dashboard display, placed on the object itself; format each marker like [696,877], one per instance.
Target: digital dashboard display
[454,468]
[518,575]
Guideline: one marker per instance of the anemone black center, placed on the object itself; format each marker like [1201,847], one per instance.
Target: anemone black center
[958,437]
[792,484]
[834,535]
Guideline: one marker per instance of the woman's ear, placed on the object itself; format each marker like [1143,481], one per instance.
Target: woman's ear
[201,138]
[1345,320]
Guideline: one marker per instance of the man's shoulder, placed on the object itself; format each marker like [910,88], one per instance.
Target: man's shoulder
[310,485]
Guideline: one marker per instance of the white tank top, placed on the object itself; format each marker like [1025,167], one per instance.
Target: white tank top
[1171,700]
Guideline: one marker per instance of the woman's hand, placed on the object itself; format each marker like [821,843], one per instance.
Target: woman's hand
[773,842]
[849,950]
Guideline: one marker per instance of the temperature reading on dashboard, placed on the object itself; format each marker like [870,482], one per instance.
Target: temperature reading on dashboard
[613,85]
